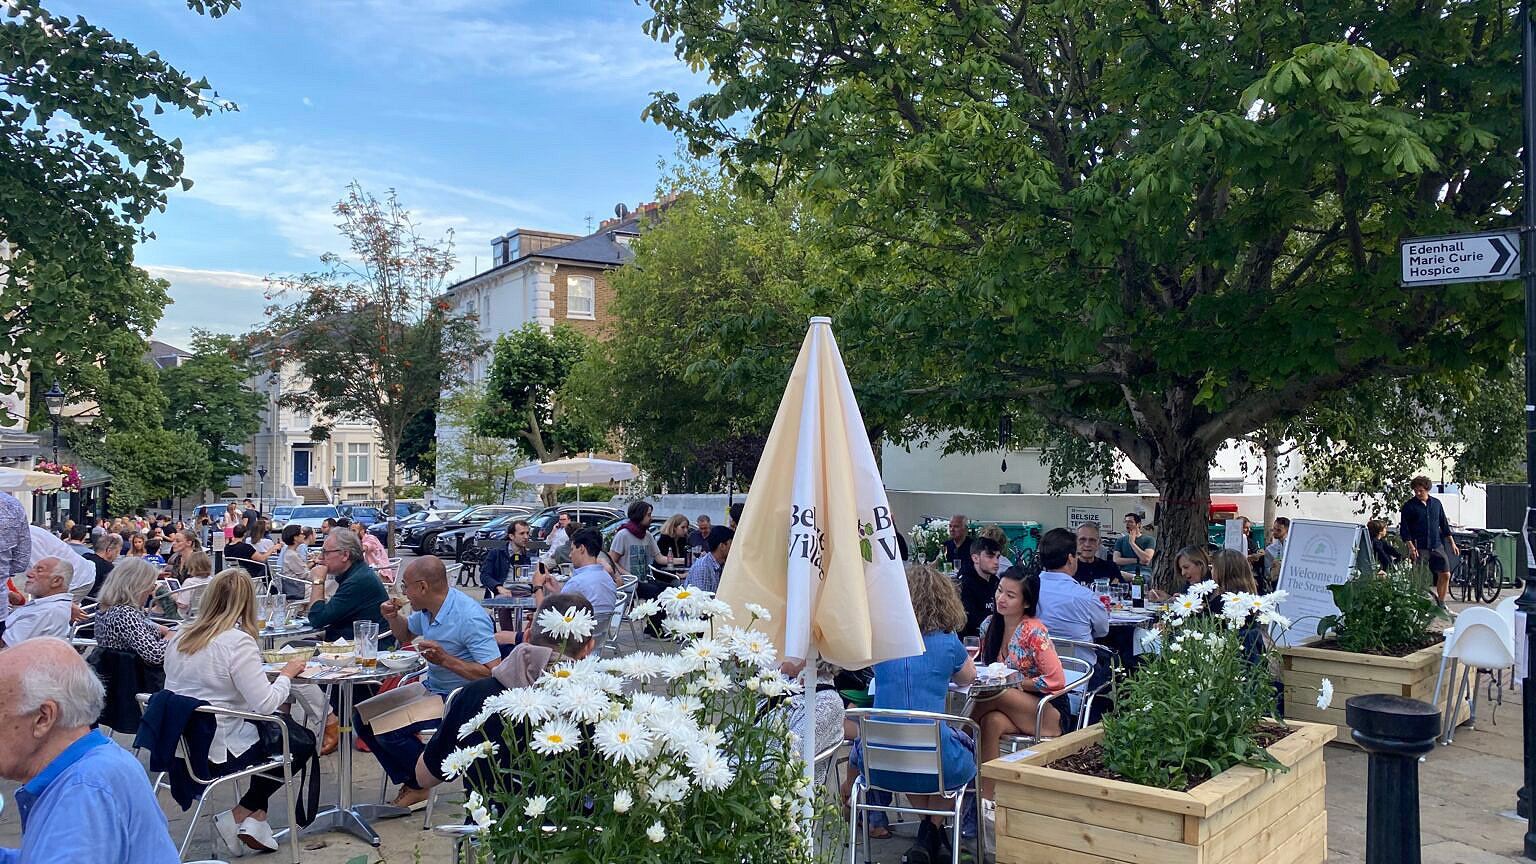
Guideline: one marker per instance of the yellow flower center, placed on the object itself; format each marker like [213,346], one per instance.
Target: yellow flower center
[556,738]
[624,737]
[684,595]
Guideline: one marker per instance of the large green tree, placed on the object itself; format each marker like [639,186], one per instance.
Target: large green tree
[1157,226]
[207,397]
[80,169]
[528,368]
[370,336]
[478,468]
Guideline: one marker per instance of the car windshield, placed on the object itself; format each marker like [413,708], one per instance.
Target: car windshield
[370,512]
[403,509]
[462,514]
[280,512]
[418,516]
[313,512]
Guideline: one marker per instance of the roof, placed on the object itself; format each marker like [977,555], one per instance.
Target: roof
[159,352]
[599,249]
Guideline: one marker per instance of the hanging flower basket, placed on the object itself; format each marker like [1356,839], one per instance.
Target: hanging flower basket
[68,472]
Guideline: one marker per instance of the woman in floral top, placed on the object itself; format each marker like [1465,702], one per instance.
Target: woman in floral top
[1028,649]
[121,621]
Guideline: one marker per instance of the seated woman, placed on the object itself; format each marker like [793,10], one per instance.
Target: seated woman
[198,572]
[121,621]
[294,565]
[1015,635]
[921,683]
[1233,575]
[217,659]
[1193,564]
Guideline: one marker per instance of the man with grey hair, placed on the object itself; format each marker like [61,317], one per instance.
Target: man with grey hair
[359,593]
[47,613]
[83,798]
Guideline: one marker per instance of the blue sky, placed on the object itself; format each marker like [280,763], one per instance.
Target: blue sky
[485,115]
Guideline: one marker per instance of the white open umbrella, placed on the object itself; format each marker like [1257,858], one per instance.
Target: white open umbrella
[816,544]
[576,470]
[19,480]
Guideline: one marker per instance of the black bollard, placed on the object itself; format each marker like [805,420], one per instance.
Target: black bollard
[1395,732]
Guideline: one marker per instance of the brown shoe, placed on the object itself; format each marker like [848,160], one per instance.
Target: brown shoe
[332,738]
[412,799]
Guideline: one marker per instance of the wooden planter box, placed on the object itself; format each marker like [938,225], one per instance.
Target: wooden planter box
[1243,816]
[1304,667]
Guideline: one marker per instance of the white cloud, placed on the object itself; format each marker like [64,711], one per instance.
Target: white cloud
[605,52]
[306,101]
[224,301]
[292,187]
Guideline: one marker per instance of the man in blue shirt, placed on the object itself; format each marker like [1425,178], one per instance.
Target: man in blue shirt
[454,635]
[1068,609]
[705,572]
[1425,529]
[85,800]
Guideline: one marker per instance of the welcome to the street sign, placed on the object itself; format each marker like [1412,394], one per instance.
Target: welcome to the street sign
[1482,257]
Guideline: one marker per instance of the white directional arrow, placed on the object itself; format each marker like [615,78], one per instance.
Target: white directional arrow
[1482,257]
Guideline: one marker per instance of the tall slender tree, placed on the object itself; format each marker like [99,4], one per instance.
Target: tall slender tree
[369,336]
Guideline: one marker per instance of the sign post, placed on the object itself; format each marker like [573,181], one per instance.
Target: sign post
[1489,256]
[1317,554]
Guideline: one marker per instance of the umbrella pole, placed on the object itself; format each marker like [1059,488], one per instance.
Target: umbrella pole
[808,743]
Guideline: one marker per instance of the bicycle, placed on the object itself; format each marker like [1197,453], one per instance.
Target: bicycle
[1479,574]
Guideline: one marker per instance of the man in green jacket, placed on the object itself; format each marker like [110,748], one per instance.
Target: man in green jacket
[359,592]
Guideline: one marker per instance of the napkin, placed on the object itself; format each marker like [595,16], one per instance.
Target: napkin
[994,670]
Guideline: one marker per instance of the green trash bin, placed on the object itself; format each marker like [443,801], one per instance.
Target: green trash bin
[1022,536]
[1506,545]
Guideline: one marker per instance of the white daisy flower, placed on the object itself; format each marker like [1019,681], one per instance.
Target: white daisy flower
[574,622]
[758,612]
[641,667]
[679,666]
[456,762]
[775,802]
[713,608]
[1276,597]
[707,652]
[1203,589]
[583,704]
[675,627]
[623,739]
[473,724]
[523,704]
[1271,618]
[644,610]
[714,681]
[622,801]
[754,649]
[536,806]
[682,600]
[1184,605]
[556,736]
[657,832]
[1324,694]
[712,771]
[478,813]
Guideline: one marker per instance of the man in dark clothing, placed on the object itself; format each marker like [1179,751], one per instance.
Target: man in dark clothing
[498,563]
[243,550]
[1089,565]
[957,549]
[979,584]
[1428,534]
[359,593]
[108,547]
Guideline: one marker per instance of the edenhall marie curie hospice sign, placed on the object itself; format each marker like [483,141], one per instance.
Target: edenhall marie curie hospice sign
[1485,257]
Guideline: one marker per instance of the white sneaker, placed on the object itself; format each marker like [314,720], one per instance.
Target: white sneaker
[257,834]
[229,832]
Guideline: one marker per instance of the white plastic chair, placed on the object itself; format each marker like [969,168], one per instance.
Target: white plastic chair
[1484,642]
[1506,610]
[911,743]
[624,600]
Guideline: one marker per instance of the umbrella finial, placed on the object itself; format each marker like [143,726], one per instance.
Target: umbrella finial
[820,319]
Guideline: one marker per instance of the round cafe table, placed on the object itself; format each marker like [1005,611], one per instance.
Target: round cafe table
[270,637]
[345,815]
[517,607]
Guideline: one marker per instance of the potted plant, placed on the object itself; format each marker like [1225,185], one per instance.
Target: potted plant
[1190,766]
[648,757]
[1381,641]
[928,540]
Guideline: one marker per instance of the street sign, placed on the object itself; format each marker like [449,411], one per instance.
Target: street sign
[1485,257]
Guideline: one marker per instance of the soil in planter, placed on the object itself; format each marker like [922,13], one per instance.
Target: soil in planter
[1090,760]
[1404,650]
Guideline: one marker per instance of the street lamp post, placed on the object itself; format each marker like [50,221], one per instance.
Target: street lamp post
[261,489]
[1527,601]
[54,401]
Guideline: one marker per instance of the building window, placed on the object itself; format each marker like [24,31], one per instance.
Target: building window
[580,297]
[357,463]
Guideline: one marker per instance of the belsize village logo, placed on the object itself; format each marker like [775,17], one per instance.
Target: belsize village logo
[1319,550]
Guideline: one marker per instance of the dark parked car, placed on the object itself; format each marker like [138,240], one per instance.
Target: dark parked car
[364,516]
[422,536]
[540,525]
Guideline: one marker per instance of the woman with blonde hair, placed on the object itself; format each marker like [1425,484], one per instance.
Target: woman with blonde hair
[1232,572]
[121,620]
[921,683]
[673,541]
[216,658]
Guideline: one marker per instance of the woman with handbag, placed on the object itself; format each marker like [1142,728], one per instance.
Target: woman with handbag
[217,659]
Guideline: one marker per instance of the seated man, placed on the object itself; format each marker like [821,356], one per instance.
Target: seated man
[359,592]
[1089,565]
[84,798]
[705,572]
[590,579]
[45,545]
[698,538]
[521,668]
[47,613]
[496,569]
[1068,608]
[979,583]
[453,634]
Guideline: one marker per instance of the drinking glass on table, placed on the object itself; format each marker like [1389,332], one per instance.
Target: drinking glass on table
[972,646]
[277,617]
[365,635]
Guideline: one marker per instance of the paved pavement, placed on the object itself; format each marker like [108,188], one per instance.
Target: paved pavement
[1465,788]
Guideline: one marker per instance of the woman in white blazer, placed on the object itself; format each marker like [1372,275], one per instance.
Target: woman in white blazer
[217,659]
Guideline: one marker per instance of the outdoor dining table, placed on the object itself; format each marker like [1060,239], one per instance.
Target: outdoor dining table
[345,815]
[270,636]
[518,606]
[1124,624]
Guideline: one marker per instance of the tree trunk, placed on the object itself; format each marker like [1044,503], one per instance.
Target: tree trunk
[394,489]
[1271,480]
[1184,485]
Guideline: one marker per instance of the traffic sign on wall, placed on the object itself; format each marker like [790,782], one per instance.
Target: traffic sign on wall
[1484,257]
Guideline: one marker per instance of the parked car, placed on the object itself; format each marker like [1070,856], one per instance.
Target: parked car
[280,515]
[312,515]
[422,537]
[460,544]
[541,524]
[362,515]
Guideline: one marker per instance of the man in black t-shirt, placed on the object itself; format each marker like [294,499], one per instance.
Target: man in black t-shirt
[978,585]
[1089,565]
[522,668]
